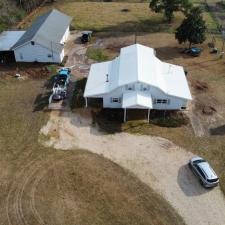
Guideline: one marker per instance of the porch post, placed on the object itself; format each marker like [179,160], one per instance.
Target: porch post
[86,103]
[148,114]
[125,115]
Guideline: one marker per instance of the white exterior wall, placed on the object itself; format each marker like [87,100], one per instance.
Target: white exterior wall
[36,52]
[175,103]
[65,36]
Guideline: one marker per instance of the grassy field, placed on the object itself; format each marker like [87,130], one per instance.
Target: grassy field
[109,16]
[49,186]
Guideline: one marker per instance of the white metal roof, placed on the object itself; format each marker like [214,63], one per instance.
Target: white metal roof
[136,100]
[137,63]
[9,38]
[47,30]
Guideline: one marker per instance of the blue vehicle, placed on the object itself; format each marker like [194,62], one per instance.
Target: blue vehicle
[63,76]
[193,51]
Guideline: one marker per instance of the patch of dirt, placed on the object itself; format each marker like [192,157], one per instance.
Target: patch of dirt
[26,71]
[208,110]
[144,156]
[199,85]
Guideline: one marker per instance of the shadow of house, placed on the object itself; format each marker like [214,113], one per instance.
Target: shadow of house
[218,130]
[189,183]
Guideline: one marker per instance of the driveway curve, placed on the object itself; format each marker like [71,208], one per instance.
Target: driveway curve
[155,161]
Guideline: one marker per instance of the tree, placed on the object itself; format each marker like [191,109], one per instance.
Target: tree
[192,29]
[169,7]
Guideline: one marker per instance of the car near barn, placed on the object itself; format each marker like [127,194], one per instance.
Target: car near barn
[137,79]
[42,42]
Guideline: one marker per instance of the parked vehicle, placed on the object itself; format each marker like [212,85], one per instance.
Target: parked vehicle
[58,96]
[204,172]
[63,77]
[59,90]
[86,36]
[192,51]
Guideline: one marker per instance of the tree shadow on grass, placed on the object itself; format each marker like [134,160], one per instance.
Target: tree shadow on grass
[148,25]
[170,52]
[218,130]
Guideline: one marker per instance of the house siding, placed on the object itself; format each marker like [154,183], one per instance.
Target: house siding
[36,53]
[65,36]
[174,103]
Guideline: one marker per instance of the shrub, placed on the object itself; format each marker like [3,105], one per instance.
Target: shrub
[96,54]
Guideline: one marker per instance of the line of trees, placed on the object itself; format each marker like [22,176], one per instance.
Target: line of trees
[192,28]
[29,5]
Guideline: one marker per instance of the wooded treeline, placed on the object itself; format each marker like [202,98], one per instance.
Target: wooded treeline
[29,5]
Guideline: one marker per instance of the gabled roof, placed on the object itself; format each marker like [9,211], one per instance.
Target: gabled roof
[135,99]
[137,63]
[47,30]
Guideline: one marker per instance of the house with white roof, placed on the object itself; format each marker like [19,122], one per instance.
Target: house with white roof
[138,79]
[43,41]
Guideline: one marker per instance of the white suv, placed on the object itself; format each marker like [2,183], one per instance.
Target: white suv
[204,171]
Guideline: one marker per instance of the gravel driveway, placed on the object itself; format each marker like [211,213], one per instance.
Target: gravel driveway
[156,161]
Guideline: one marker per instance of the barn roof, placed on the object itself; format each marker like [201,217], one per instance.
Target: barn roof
[47,30]
[137,63]
[9,38]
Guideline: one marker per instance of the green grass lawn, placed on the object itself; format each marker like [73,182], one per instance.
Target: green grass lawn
[109,16]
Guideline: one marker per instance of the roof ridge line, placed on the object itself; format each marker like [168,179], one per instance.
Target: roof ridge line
[49,13]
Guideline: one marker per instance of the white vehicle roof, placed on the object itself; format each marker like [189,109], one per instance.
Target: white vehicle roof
[209,172]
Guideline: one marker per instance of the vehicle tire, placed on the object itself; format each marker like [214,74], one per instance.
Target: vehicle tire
[202,183]
[189,165]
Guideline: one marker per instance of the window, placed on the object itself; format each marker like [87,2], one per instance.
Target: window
[144,87]
[200,171]
[49,55]
[161,101]
[32,43]
[21,56]
[116,100]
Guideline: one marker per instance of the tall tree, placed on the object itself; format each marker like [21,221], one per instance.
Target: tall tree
[192,29]
[169,7]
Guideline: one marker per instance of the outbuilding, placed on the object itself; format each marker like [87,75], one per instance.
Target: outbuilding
[7,40]
[44,40]
[138,79]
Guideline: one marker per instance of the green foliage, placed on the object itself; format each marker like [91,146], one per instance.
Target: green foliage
[96,54]
[170,121]
[78,100]
[9,14]
[169,7]
[192,29]
[28,5]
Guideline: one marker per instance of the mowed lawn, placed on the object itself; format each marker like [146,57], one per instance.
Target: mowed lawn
[48,186]
[110,16]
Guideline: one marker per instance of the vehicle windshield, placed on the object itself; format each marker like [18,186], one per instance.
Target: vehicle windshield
[199,161]
[212,180]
